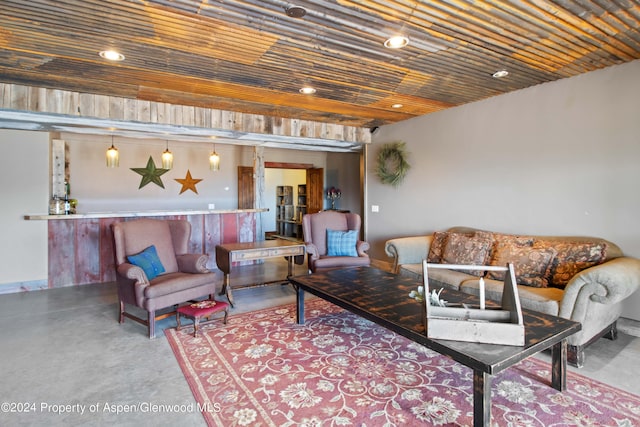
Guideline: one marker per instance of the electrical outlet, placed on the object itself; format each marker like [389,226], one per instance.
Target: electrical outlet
[375,208]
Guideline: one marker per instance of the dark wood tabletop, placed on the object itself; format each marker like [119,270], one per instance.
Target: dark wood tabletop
[383,298]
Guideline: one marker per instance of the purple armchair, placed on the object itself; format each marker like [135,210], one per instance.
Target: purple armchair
[314,228]
[185,276]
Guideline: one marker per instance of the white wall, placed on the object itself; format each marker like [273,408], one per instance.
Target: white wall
[559,158]
[25,190]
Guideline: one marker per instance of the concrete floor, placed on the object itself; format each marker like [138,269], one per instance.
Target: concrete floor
[63,349]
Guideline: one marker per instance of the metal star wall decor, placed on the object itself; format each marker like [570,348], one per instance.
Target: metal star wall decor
[188,183]
[150,174]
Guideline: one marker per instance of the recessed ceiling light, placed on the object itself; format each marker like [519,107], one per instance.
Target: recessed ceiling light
[295,11]
[397,106]
[500,74]
[308,90]
[112,55]
[396,42]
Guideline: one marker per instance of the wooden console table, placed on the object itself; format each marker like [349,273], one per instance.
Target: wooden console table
[227,254]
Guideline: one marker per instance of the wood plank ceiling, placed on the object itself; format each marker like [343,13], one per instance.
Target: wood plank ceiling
[250,56]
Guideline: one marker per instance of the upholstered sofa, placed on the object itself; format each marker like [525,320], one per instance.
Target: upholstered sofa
[585,279]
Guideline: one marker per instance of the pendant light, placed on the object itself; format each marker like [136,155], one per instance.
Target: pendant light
[167,158]
[214,160]
[113,158]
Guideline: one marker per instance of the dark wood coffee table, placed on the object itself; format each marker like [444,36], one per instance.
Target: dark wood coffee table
[383,298]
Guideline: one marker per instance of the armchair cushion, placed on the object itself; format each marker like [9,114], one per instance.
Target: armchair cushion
[342,243]
[149,261]
[172,283]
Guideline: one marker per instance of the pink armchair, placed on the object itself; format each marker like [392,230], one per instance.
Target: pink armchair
[314,229]
[185,276]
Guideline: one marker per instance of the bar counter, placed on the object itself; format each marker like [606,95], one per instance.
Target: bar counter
[81,245]
[138,214]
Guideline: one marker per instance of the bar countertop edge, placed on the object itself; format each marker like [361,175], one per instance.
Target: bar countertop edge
[140,214]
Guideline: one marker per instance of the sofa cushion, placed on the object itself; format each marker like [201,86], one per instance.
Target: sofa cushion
[532,265]
[572,258]
[467,250]
[545,300]
[451,279]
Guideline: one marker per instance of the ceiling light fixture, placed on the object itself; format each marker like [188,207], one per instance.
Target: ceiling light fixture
[113,159]
[294,11]
[214,160]
[500,74]
[397,106]
[167,158]
[396,42]
[308,90]
[112,55]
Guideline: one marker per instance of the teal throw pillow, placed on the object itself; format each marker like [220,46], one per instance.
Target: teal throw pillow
[148,261]
[342,243]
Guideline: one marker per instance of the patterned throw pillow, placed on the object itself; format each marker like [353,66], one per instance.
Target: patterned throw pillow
[342,243]
[467,249]
[532,265]
[573,258]
[502,243]
[437,246]
[148,261]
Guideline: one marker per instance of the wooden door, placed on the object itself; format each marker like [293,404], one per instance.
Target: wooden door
[246,187]
[315,190]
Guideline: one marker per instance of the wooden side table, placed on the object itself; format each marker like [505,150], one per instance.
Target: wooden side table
[198,310]
[229,253]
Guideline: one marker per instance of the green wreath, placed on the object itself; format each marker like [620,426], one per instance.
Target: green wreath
[392,165]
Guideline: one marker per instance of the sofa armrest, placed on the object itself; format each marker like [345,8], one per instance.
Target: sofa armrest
[135,273]
[408,250]
[193,263]
[362,247]
[607,283]
[312,251]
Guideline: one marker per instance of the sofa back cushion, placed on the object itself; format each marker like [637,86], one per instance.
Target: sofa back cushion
[437,247]
[532,265]
[466,249]
[132,237]
[573,254]
[573,257]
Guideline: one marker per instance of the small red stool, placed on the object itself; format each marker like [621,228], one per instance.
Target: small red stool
[201,309]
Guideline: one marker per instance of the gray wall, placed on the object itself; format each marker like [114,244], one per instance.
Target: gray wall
[559,158]
[343,172]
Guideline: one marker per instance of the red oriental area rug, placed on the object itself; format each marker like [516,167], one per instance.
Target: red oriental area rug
[262,369]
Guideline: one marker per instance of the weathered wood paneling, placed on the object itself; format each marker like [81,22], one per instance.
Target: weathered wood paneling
[204,120]
[249,56]
[81,250]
